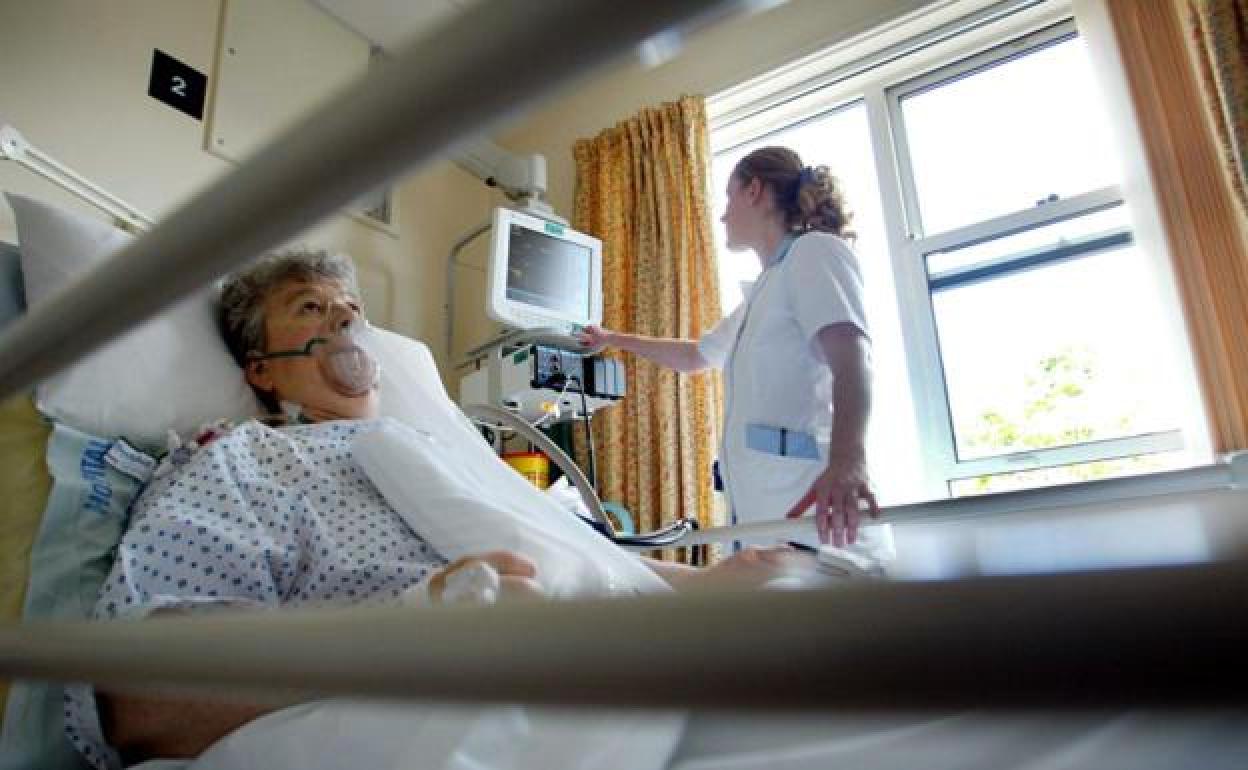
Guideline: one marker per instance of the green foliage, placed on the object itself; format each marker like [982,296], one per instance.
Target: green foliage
[1055,411]
[1044,419]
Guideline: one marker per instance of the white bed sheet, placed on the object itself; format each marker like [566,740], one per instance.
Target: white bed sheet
[349,734]
[414,737]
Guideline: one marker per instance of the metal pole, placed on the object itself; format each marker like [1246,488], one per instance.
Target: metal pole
[482,67]
[448,305]
[1158,636]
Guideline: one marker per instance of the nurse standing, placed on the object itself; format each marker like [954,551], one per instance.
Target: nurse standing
[795,354]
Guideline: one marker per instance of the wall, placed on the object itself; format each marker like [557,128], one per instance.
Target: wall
[75,84]
[720,56]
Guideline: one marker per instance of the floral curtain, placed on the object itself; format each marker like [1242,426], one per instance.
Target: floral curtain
[642,188]
[1220,30]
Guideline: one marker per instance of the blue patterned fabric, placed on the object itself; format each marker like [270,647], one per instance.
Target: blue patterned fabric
[262,518]
[71,555]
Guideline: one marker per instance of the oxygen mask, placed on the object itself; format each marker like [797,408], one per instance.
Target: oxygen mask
[345,358]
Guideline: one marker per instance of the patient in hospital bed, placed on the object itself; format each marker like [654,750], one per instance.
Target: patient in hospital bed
[279,512]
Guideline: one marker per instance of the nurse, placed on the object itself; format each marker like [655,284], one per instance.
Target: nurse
[795,354]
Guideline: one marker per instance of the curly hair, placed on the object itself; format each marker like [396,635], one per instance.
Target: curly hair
[809,198]
[240,308]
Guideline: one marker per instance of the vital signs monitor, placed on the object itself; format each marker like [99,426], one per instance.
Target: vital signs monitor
[542,274]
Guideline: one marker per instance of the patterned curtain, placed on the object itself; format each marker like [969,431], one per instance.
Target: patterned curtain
[1199,211]
[641,188]
[1221,37]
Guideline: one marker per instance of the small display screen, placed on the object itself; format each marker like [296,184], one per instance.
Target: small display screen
[549,272]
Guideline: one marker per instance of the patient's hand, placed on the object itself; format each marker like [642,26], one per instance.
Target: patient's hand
[753,567]
[517,575]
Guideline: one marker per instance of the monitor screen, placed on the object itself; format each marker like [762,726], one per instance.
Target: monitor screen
[549,272]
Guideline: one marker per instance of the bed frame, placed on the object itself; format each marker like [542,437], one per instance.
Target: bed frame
[1160,636]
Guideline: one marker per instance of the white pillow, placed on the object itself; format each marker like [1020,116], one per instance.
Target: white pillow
[172,372]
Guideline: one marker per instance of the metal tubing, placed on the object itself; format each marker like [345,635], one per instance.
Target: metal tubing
[88,190]
[1158,636]
[494,414]
[14,147]
[448,306]
[485,65]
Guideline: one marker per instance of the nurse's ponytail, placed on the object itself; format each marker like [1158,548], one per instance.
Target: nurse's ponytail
[809,198]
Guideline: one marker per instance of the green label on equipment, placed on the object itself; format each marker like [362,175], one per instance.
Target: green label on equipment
[520,357]
[554,229]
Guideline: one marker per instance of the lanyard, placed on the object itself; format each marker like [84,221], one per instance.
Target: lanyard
[781,253]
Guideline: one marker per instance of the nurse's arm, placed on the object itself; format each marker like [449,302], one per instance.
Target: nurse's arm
[837,491]
[681,355]
[848,354]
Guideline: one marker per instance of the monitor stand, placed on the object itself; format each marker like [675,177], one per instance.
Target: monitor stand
[549,335]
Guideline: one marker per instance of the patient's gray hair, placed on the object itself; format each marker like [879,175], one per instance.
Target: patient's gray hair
[241,307]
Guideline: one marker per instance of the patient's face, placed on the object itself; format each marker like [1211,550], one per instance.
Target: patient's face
[294,313]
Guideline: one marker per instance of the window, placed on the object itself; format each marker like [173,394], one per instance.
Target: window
[1019,339]
[840,139]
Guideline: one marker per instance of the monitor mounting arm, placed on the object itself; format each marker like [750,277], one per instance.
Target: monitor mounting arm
[522,178]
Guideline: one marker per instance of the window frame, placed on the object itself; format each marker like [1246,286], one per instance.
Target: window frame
[880,79]
[932,79]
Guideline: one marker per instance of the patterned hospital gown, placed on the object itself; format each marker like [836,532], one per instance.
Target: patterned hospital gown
[261,518]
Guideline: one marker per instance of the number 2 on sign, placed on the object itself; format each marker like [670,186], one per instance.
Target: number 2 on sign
[179,85]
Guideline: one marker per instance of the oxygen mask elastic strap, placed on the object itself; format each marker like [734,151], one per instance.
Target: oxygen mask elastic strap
[347,365]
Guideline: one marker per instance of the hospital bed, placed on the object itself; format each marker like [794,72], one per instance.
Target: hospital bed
[1040,654]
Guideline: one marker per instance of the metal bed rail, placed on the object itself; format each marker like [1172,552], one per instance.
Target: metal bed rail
[1166,635]
[1170,637]
[1231,472]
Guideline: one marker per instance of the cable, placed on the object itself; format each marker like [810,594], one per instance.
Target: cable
[558,400]
[589,434]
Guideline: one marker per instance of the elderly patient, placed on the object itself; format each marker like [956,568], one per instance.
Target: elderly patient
[268,517]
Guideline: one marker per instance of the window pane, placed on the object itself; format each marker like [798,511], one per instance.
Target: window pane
[1056,234]
[1056,356]
[841,141]
[998,140]
[1070,474]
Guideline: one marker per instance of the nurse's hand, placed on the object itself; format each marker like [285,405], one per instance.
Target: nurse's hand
[835,495]
[594,337]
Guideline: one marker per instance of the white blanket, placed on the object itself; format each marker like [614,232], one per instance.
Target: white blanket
[333,735]
[452,490]
[462,499]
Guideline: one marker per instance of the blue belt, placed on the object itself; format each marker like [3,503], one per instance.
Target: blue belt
[781,441]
